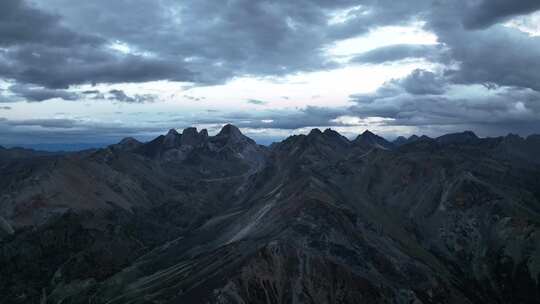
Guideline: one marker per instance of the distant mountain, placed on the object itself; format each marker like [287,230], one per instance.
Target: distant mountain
[515,147]
[316,218]
[458,138]
[400,141]
[368,139]
[61,147]
[18,153]
[127,144]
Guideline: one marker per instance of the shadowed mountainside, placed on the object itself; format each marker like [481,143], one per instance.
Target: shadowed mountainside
[193,218]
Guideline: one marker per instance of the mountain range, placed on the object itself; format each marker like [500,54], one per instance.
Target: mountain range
[316,218]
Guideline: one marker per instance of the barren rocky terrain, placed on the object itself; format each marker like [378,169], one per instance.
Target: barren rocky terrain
[317,218]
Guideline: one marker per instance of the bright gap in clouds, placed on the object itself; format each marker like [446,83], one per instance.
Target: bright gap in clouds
[327,88]
[529,24]
[126,49]
[379,37]
[345,15]
[331,87]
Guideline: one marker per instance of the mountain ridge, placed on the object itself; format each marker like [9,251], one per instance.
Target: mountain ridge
[316,218]
[398,141]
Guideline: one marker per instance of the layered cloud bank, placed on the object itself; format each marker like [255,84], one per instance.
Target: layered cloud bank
[419,66]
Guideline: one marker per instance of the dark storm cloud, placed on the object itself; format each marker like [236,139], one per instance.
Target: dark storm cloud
[502,109]
[486,53]
[22,24]
[488,12]
[121,96]
[38,49]
[195,41]
[58,43]
[91,92]
[310,116]
[421,82]
[61,42]
[44,123]
[489,54]
[35,94]
[498,55]
[55,67]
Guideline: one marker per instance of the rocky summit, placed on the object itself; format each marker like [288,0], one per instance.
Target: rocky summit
[193,218]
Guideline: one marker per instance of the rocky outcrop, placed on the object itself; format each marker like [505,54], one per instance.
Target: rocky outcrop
[172,139]
[190,137]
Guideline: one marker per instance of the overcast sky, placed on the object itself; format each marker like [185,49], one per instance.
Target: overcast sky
[96,71]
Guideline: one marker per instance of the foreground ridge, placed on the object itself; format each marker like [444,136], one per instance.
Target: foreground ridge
[317,218]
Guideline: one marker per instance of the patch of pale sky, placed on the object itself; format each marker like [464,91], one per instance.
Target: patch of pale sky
[379,37]
[529,24]
[342,16]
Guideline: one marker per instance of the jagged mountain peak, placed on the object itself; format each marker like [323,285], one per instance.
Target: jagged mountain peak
[129,141]
[128,144]
[190,131]
[369,139]
[457,138]
[191,137]
[331,132]
[400,140]
[229,130]
[368,133]
[335,136]
[469,133]
[172,139]
[315,132]
[174,145]
[315,142]
[327,135]
[172,132]
[232,134]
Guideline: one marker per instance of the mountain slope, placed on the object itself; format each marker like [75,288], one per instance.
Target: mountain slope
[314,219]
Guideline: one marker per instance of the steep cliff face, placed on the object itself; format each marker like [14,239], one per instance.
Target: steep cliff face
[314,219]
